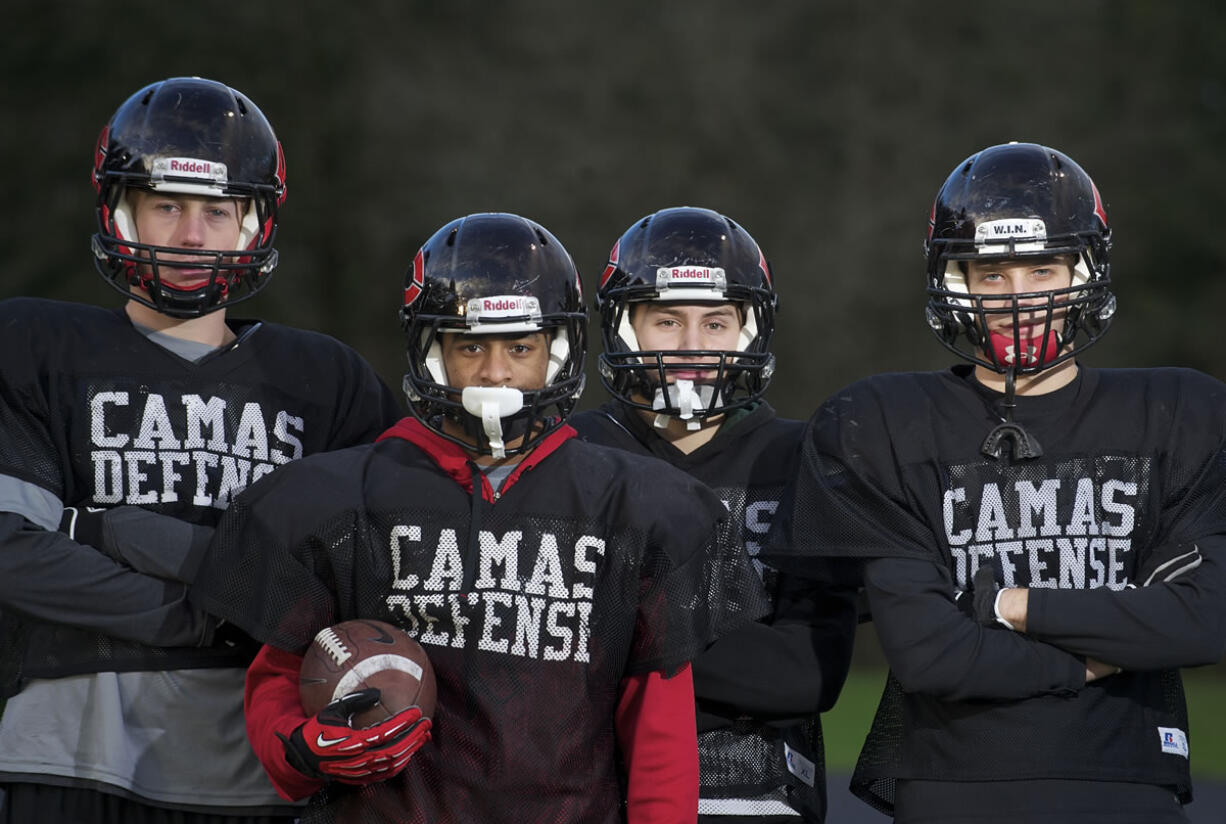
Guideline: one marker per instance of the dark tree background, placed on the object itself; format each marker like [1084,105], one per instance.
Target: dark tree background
[824,128]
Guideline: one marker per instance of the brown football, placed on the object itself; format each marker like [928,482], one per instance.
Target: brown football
[355,655]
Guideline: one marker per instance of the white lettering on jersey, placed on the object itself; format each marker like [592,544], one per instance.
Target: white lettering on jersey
[97,417]
[1038,542]
[959,537]
[156,431]
[1037,500]
[758,515]
[753,515]
[505,554]
[545,616]
[155,448]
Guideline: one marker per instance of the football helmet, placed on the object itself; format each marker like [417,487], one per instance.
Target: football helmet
[493,274]
[1017,201]
[192,136]
[689,255]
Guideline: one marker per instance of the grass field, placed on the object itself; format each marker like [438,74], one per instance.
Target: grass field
[845,726]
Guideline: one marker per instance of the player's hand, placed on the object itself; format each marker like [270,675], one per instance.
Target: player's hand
[1096,669]
[150,543]
[327,747]
[979,602]
[83,524]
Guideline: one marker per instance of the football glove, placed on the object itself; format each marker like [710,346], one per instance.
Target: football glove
[327,747]
[979,602]
[148,542]
[83,524]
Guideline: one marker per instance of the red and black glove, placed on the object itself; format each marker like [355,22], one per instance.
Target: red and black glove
[327,747]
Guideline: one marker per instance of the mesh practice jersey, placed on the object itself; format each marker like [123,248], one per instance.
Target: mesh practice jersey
[759,690]
[533,602]
[95,414]
[1132,474]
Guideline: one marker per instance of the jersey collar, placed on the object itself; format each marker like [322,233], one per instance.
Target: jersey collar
[452,459]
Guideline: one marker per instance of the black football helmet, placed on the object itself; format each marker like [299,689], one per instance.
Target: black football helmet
[1017,201]
[193,136]
[492,274]
[688,255]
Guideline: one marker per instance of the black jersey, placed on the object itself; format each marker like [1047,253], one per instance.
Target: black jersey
[533,603]
[759,690]
[1132,472]
[95,414]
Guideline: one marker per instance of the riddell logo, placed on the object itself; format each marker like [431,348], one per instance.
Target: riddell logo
[190,167]
[501,304]
[702,273]
[503,307]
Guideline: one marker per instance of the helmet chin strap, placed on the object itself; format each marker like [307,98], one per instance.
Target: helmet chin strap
[491,404]
[686,397]
[1005,348]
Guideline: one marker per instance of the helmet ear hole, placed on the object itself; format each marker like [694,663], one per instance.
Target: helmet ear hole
[435,367]
[625,328]
[749,329]
[249,227]
[123,216]
[559,354]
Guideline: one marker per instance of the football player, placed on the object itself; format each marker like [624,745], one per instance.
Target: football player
[560,597]
[1041,540]
[132,428]
[687,305]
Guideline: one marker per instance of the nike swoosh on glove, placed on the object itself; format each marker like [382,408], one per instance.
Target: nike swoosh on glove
[327,747]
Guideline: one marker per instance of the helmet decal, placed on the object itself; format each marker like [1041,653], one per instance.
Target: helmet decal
[614,253]
[100,156]
[417,280]
[766,270]
[1099,209]
[281,175]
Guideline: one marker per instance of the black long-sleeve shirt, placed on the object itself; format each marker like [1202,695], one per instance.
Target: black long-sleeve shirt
[766,682]
[1132,473]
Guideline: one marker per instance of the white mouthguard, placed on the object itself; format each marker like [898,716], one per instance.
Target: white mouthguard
[491,404]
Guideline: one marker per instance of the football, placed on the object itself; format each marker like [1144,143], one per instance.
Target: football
[355,655]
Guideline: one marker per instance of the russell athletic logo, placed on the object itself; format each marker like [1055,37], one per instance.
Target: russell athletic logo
[1174,741]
